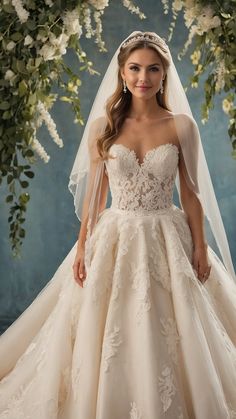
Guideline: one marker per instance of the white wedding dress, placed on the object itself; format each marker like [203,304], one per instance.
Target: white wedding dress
[144,338]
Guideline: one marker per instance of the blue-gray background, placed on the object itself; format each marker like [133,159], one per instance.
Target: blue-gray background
[52,227]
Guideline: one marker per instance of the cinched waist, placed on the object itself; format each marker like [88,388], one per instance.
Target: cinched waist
[143,211]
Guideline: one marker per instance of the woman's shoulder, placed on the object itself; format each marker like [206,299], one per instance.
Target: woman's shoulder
[185,118]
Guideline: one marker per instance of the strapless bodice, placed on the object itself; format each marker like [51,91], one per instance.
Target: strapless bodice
[146,186]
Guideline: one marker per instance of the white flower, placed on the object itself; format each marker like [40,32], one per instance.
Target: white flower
[71,22]
[21,12]
[195,57]
[99,4]
[190,15]
[45,115]
[28,40]
[177,5]
[41,38]
[189,4]
[87,22]
[49,3]
[59,43]
[11,45]
[9,76]
[220,76]
[40,150]
[207,21]
[133,9]
[227,105]
[48,52]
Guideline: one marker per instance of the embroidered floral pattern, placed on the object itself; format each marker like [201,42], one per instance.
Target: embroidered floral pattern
[169,330]
[141,284]
[147,186]
[166,387]
[111,343]
[134,412]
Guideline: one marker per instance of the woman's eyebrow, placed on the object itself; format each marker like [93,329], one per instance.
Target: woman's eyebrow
[148,65]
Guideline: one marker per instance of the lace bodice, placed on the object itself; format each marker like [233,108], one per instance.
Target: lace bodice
[146,186]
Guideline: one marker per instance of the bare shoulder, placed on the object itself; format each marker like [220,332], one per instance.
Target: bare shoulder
[184,126]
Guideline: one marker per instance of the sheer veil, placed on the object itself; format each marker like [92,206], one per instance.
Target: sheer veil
[86,176]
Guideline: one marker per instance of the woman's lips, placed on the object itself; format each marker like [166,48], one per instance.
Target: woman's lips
[143,87]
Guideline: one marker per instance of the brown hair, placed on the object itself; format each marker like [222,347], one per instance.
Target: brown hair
[118,104]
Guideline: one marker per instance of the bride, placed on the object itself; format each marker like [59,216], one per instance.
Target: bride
[138,321]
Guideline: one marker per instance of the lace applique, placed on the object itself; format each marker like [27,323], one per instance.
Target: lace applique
[169,330]
[141,283]
[75,377]
[159,269]
[134,412]
[111,343]
[148,186]
[166,387]
[232,413]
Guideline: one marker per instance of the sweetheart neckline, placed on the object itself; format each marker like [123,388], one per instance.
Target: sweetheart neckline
[147,153]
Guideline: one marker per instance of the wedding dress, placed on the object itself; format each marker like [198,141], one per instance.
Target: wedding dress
[144,338]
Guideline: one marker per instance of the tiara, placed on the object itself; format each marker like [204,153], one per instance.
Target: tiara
[150,38]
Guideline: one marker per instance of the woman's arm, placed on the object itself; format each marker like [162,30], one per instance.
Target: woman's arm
[193,209]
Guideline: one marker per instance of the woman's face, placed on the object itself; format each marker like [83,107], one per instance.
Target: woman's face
[143,72]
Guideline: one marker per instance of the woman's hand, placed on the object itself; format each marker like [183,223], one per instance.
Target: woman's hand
[79,267]
[201,264]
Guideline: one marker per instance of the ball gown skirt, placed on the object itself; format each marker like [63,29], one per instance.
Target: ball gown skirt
[143,339]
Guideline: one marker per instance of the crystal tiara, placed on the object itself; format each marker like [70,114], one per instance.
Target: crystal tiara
[145,37]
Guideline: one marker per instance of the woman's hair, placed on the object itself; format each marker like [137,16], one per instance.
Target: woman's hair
[118,104]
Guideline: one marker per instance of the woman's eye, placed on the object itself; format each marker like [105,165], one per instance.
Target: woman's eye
[137,68]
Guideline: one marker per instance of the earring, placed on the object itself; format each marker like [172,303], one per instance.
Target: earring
[161,88]
[124,86]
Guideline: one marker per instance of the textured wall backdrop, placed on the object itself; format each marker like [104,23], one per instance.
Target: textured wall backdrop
[52,227]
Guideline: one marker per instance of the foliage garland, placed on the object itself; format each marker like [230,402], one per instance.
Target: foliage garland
[211,24]
[34,37]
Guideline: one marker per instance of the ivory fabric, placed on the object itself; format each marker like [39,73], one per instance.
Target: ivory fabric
[144,338]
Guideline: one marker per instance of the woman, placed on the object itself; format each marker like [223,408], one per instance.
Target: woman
[152,332]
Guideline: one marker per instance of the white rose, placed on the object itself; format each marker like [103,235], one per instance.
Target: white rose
[47,52]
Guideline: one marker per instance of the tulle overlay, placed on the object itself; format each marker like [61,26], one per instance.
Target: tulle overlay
[143,338]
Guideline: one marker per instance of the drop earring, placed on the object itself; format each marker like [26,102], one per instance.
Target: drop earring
[124,86]
[161,88]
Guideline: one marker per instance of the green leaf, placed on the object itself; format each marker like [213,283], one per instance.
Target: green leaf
[4,105]
[22,233]
[29,174]
[7,115]
[16,36]
[24,198]
[32,99]
[65,99]
[20,65]
[9,198]
[29,153]
[22,88]
[9,179]
[24,183]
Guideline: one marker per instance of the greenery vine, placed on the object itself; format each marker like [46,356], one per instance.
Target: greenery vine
[34,37]
[212,31]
